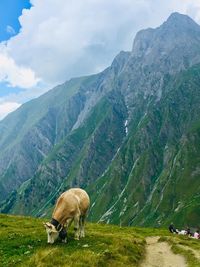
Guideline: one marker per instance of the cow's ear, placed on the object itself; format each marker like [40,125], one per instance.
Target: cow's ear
[47,225]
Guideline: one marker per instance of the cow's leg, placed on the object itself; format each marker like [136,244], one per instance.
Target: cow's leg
[69,222]
[76,227]
[82,226]
[64,240]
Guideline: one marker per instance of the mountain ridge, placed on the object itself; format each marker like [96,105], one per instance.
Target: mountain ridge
[123,134]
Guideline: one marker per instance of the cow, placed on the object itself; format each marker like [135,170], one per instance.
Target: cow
[72,205]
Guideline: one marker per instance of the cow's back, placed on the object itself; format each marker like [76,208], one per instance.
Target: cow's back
[83,199]
[66,206]
[71,201]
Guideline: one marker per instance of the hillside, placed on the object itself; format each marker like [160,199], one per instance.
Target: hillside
[129,135]
[23,243]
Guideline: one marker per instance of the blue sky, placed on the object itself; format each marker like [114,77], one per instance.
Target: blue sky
[10,10]
[5,89]
[43,43]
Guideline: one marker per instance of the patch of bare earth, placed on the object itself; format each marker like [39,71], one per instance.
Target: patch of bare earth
[159,254]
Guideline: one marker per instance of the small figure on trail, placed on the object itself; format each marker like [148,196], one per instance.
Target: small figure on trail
[172,229]
[197,235]
[188,232]
[182,232]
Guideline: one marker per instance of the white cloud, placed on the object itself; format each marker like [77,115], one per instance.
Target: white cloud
[7,107]
[62,39]
[16,75]
[193,9]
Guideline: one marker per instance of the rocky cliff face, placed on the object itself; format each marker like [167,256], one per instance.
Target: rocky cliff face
[129,136]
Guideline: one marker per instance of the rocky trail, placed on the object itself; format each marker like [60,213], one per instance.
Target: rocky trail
[159,254]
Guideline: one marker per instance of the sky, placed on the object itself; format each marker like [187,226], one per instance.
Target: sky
[44,43]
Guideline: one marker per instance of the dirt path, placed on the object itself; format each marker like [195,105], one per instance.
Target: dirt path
[159,254]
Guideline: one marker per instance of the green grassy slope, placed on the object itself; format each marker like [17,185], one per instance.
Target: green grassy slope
[23,243]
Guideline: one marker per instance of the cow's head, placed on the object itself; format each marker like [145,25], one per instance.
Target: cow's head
[52,233]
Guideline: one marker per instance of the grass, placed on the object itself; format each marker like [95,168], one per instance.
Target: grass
[186,246]
[23,242]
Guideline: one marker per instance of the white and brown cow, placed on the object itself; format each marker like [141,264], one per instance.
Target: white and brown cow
[72,205]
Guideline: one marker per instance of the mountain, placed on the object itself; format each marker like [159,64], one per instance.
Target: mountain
[129,135]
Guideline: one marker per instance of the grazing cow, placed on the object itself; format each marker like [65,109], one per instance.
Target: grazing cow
[72,205]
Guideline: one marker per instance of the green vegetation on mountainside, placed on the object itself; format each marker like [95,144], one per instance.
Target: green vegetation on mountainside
[28,134]
[33,111]
[154,179]
[85,152]
[148,177]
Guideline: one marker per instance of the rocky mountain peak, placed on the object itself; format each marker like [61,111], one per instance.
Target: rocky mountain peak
[180,22]
[176,44]
[119,61]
